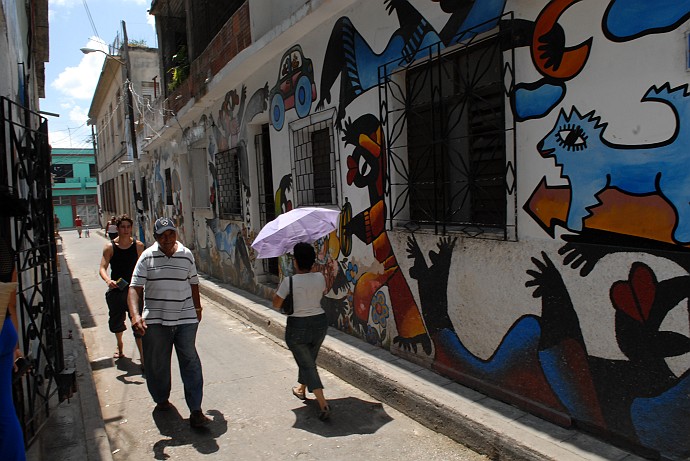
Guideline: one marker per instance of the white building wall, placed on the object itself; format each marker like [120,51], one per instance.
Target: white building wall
[586,320]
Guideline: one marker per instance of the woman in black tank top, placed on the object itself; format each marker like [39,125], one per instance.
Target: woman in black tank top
[121,262]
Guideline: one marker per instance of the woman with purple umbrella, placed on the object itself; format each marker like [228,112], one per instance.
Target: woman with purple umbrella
[307,325]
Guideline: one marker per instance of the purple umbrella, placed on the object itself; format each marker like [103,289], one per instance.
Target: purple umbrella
[305,224]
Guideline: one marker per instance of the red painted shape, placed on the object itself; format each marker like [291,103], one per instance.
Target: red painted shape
[573,59]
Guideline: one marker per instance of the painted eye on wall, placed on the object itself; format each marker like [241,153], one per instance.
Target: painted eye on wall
[572,138]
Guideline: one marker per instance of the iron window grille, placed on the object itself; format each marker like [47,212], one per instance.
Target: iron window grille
[228,173]
[450,140]
[314,164]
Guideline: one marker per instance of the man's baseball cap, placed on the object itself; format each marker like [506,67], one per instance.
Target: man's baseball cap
[162,225]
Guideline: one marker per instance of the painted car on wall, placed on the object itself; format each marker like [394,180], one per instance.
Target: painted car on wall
[295,87]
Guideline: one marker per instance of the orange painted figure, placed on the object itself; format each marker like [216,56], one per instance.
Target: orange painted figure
[366,168]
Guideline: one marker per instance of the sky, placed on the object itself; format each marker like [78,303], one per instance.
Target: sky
[71,76]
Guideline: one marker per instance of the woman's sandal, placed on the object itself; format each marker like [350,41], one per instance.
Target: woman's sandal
[325,413]
[300,395]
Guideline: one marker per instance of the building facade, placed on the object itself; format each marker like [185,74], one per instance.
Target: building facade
[117,99]
[510,177]
[75,186]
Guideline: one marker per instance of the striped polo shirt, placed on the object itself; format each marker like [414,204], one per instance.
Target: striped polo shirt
[167,285]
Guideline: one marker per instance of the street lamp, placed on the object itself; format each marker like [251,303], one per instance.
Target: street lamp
[94,50]
[130,102]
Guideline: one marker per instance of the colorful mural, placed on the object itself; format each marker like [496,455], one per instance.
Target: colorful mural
[367,170]
[594,329]
[632,19]
[227,247]
[592,164]
[350,57]
[295,88]
[636,193]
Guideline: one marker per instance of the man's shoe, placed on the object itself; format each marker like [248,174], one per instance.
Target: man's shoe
[164,406]
[198,419]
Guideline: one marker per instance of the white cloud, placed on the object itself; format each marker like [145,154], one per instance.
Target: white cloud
[79,114]
[80,82]
[75,87]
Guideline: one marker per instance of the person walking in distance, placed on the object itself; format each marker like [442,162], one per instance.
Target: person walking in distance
[111,228]
[78,224]
[121,255]
[166,278]
[307,325]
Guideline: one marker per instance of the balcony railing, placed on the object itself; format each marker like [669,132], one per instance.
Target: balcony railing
[234,37]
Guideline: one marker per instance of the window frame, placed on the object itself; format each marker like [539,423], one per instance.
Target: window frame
[229,190]
[61,171]
[395,106]
[301,157]
[457,126]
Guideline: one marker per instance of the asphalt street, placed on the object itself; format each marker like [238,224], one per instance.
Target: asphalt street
[248,377]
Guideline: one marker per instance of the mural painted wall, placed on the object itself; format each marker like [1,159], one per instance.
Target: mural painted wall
[583,316]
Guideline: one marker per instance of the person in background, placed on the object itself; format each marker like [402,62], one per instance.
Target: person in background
[111,228]
[78,224]
[121,255]
[165,277]
[56,221]
[307,325]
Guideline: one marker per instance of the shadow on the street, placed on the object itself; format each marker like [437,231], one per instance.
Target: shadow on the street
[81,306]
[131,369]
[172,425]
[349,416]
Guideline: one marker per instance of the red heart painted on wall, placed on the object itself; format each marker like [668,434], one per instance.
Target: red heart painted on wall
[635,296]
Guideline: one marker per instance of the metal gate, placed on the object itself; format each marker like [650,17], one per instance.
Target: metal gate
[25,169]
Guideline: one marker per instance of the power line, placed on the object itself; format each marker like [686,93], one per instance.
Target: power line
[88,13]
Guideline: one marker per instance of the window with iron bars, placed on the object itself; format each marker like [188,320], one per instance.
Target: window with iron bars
[456,139]
[228,174]
[314,164]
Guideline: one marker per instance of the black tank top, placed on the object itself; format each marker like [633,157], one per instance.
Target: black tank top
[123,261]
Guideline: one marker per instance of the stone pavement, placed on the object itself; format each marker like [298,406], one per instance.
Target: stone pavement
[77,429]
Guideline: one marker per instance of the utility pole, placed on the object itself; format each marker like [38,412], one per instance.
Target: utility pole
[133,135]
[99,198]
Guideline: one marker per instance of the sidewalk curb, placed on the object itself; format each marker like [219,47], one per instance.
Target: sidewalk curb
[483,424]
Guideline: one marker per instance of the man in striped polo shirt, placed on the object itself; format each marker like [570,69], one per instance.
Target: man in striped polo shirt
[165,277]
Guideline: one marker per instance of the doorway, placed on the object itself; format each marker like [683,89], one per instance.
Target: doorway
[267,208]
